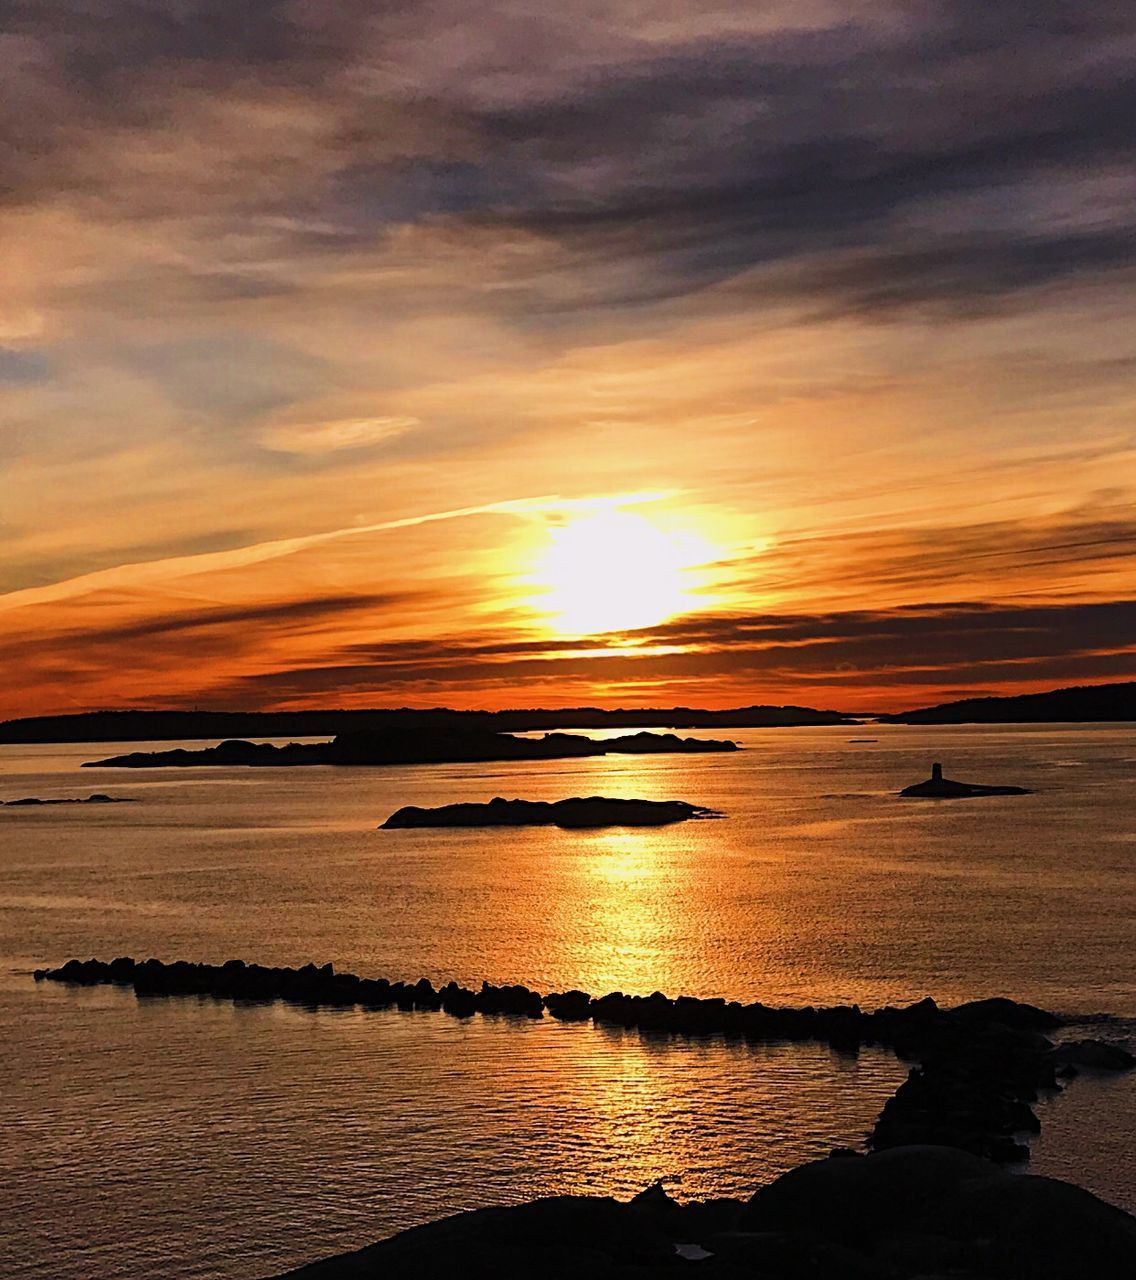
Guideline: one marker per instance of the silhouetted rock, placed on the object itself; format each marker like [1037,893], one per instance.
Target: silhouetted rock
[1094,1054]
[1024,1227]
[569,1006]
[1011,1013]
[859,1202]
[97,798]
[558,1238]
[937,787]
[416,747]
[913,1212]
[594,811]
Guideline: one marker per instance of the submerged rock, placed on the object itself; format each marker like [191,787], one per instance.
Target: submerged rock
[594,811]
[936,787]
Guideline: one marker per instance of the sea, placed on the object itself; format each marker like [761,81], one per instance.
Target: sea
[192,1138]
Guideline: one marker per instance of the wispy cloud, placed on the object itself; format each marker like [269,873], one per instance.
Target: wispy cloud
[330,437]
[144,573]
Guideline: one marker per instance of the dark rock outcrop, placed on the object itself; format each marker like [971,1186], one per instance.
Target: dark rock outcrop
[912,1212]
[924,1210]
[936,787]
[1096,1055]
[420,747]
[559,1238]
[593,811]
[857,1202]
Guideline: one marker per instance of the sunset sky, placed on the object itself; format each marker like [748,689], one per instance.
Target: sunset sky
[519,353]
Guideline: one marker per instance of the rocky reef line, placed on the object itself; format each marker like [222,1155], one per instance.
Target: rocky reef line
[976,1068]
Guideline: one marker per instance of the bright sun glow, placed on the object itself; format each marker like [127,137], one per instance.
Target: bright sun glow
[616,571]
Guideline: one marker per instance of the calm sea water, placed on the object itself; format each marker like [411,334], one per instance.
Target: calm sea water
[191,1138]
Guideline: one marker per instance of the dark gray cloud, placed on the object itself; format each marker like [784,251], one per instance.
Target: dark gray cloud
[959,646]
[945,152]
[18,367]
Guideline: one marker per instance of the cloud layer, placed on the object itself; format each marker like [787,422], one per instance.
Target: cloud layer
[851,283]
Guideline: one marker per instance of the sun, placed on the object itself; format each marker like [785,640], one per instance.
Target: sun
[616,571]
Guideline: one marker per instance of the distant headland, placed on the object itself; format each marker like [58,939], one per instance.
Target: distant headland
[1095,703]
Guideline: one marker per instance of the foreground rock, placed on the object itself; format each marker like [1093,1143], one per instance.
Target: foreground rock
[424,747]
[594,811]
[937,787]
[920,1211]
[977,1068]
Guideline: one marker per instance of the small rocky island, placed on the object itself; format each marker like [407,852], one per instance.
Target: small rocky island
[578,812]
[936,787]
[97,798]
[417,747]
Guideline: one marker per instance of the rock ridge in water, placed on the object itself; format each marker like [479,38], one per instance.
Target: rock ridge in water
[978,1068]
[577,812]
[431,747]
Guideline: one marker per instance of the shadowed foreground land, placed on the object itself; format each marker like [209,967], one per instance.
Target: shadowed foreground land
[427,747]
[928,1202]
[919,1211]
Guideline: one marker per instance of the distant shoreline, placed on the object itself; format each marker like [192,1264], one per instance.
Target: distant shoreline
[1088,704]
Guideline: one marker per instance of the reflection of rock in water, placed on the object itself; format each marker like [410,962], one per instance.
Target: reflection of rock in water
[939,788]
[594,811]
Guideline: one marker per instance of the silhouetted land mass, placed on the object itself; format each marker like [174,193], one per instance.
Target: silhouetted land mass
[936,787]
[591,811]
[1084,703]
[978,1068]
[915,1211]
[169,726]
[97,798]
[439,746]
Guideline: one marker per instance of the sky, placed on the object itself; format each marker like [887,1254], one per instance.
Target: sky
[625,353]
